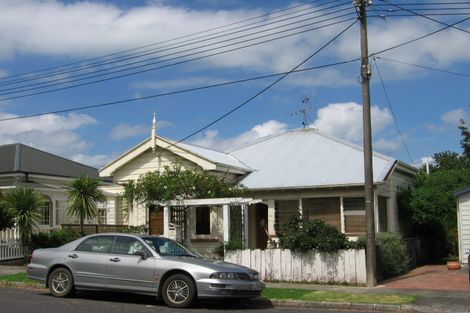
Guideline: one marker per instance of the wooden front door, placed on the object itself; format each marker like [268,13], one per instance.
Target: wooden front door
[156,223]
[261,225]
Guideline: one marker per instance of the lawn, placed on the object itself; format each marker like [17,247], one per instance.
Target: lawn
[336,296]
[287,293]
[18,277]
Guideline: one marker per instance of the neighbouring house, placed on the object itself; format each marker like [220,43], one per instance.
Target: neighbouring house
[303,172]
[463,223]
[49,174]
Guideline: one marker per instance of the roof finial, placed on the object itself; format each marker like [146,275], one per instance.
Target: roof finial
[154,133]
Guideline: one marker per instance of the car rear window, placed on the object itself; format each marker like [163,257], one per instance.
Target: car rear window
[98,244]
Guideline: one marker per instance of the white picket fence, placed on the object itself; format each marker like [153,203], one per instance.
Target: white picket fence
[344,266]
[10,245]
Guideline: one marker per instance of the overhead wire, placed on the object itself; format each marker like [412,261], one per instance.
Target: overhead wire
[184,43]
[426,17]
[164,41]
[141,98]
[145,62]
[168,65]
[236,108]
[402,139]
[424,67]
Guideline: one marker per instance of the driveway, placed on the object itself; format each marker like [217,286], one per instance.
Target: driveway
[435,277]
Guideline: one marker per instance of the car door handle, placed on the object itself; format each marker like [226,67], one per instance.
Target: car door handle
[73,256]
[115,260]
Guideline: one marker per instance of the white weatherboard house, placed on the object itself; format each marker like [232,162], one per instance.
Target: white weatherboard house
[463,223]
[303,171]
[22,165]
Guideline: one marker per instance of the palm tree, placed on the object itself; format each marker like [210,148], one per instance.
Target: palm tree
[83,195]
[24,203]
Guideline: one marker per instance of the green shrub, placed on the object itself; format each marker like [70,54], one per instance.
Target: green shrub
[141,229]
[53,238]
[302,236]
[359,244]
[392,256]
[233,244]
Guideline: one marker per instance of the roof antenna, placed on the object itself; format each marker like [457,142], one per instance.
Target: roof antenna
[154,133]
[306,108]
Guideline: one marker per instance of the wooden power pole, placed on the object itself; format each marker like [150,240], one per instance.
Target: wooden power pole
[368,170]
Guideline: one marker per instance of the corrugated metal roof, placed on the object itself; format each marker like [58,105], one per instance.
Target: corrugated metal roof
[22,158]
[307,158]
[215,156]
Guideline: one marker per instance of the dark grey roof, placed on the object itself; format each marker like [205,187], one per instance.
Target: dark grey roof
[460,192]
[19,158]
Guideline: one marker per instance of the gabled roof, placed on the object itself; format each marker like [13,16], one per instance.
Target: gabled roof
[308,158]
[19,158]
[207,159]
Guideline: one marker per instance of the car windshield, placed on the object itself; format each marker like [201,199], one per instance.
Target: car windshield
[167,247]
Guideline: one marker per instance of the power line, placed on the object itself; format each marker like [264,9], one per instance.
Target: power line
[392,111]
[420,37]
[94,106]
[164,41]
[168,65]
[181,44]
[426,17]
[424,67]
[264,89]
[160,59]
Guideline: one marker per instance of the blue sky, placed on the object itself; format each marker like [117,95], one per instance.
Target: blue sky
[41,34]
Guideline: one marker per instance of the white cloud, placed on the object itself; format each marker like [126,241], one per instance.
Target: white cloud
[212,140]
[122,131]
[453,117]
[52,133]
[178,83]
[96,161]
[450,120]
[387,146]
[344,120]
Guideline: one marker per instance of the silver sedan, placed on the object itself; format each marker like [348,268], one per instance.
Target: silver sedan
[140,264]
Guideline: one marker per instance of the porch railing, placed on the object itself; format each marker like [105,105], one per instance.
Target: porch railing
[89,229]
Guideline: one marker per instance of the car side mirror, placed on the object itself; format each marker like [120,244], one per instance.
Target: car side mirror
[142,253]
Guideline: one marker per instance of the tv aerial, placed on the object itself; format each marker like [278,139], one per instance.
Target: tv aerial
[304,111]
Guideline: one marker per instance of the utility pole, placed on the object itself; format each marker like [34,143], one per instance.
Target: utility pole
[366,73]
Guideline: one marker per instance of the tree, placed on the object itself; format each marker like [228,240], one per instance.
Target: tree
[24,204]
[176,183]
[83,195]
[431,205]
[465,141]
[7,219]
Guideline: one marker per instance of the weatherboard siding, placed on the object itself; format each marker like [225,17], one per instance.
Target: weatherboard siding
[464,226]
[148,162]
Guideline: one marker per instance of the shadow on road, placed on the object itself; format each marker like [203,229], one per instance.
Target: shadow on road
[116,297]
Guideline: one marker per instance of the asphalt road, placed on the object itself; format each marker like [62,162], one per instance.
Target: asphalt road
[40,301]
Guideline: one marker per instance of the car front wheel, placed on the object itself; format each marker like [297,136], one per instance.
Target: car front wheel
[179,291]
[61,283]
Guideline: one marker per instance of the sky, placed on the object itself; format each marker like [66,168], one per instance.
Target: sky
[57,55]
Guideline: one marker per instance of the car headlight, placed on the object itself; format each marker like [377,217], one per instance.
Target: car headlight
[254,276]
[224,276]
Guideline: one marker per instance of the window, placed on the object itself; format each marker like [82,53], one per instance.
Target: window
[203,220]
[283,211]
[323,209]
[383,215]
[127,245]
[99,244]
[102,212]
[45,213]
[354,216]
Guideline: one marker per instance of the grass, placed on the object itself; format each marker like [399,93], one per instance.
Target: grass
[280,293]
[13,279]
[336,296]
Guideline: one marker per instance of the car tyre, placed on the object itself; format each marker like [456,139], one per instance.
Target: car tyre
[178,291]
[61,283]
